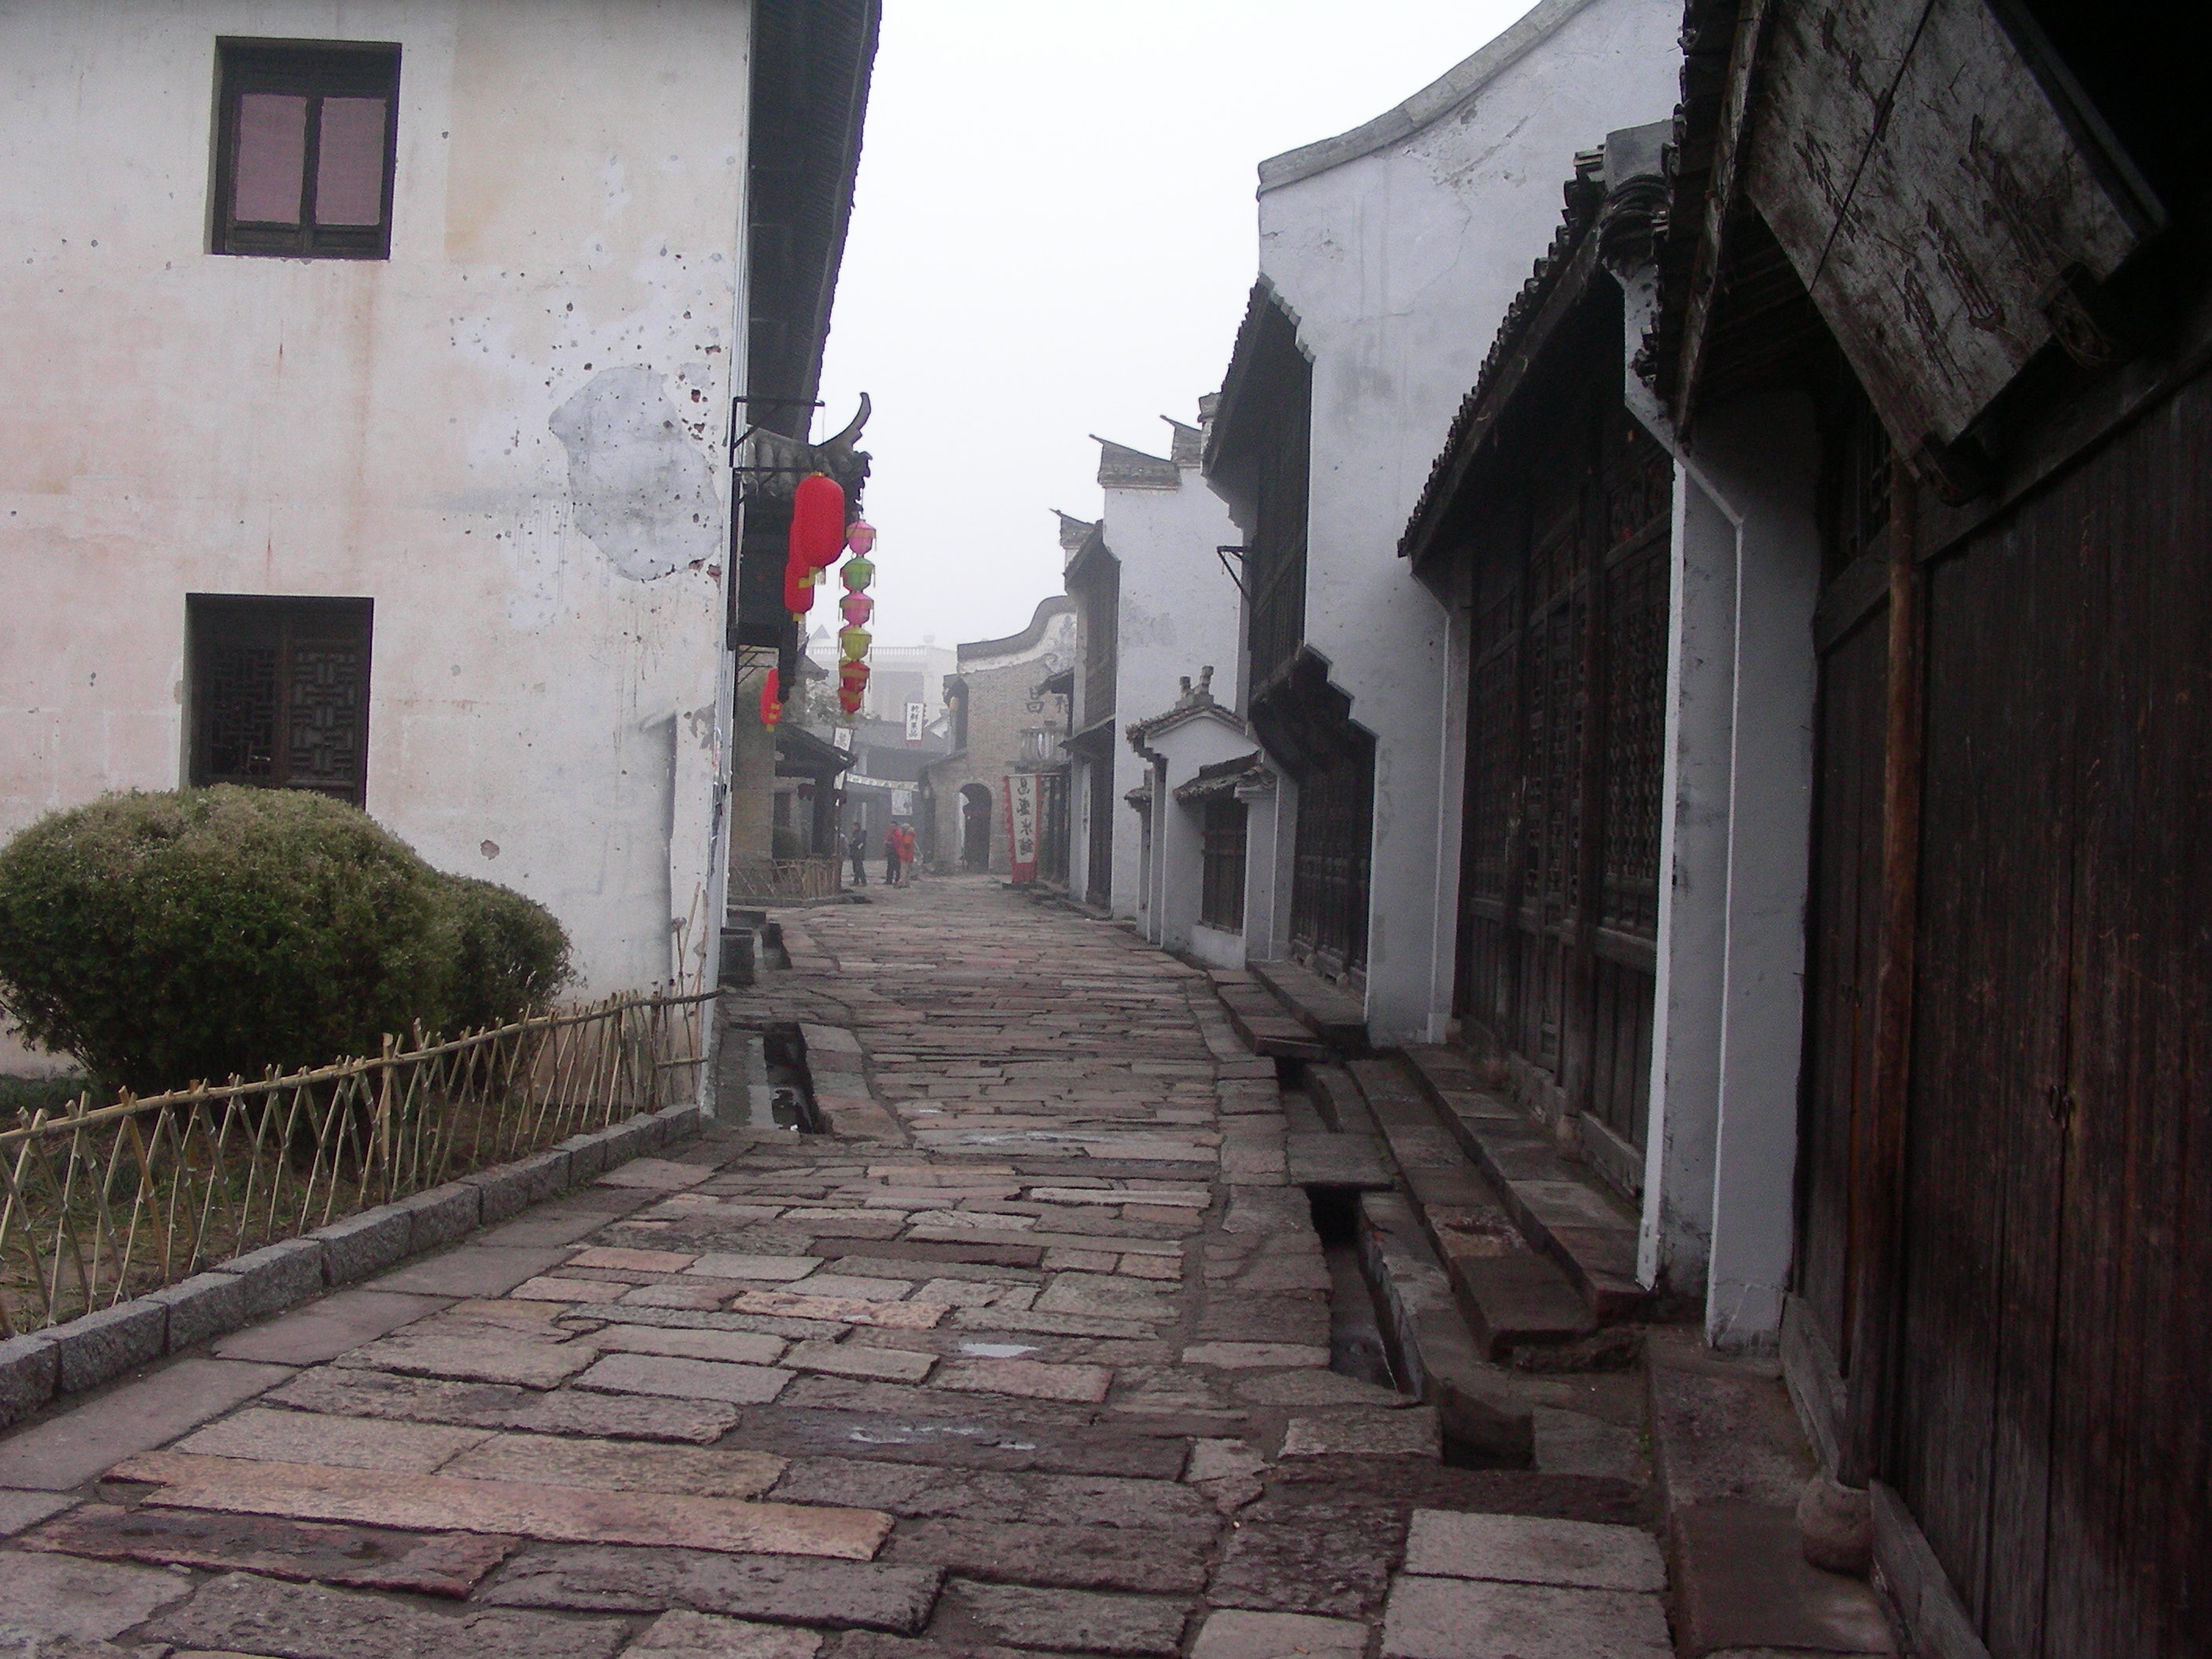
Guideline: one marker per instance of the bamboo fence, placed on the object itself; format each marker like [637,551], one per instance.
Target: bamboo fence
[101,1204]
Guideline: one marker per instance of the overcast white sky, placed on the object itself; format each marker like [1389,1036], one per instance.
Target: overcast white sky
[1054,236]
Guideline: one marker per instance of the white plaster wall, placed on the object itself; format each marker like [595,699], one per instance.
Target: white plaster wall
[568,205]
[1177,872]
[1398,265]
[1721,1154]
[1178,614]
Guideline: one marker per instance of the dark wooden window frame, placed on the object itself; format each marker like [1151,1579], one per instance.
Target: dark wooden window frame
[1222,821]
[315,69]
[289,631]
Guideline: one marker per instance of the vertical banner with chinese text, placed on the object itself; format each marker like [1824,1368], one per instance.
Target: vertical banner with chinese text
[1022,824]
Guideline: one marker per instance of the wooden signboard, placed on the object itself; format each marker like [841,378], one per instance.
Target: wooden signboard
[1949,205]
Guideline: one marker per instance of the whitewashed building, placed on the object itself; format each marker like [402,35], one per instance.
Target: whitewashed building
[1388,257]
[1160,607]
[371,370]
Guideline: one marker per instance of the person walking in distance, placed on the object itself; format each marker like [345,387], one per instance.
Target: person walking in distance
[907,862]
[892,856]
[859,848]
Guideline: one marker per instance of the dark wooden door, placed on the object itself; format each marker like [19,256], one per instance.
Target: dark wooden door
[1098,859]
[2052,1430]
[1560,881]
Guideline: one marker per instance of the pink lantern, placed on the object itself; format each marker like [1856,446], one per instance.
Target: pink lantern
[857,608]
[859,535]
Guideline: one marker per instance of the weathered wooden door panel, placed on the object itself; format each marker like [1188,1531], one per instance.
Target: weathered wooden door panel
[1982,1182]
[2051,1434]
[1845,916]
[2131,1498]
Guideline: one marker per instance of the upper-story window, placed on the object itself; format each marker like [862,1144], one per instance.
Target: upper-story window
[304,147]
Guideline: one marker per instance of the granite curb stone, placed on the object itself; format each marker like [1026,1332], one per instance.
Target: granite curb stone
[200,1309]
[365,1244]
[108,1343]
[277,1276]
[440,1216]
[29,1367]
[511,1189]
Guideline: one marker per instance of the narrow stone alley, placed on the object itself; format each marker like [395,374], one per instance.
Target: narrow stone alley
[1029,1353]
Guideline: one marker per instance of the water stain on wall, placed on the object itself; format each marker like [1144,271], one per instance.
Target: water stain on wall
[642,490]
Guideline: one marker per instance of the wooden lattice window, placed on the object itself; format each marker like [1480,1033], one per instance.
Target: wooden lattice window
[1329,879]
[280,694]
[305,140]
[1221,868]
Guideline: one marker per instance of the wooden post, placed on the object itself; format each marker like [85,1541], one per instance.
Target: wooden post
[1878,1204]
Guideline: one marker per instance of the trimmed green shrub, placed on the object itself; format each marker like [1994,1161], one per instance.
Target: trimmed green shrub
[169,939]
[511,956]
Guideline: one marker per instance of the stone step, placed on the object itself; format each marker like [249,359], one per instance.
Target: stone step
[1512,1295]
[1562,1212]
[1260,1021]
[1732,1461]
[1339,1160]
[1332,1014]
[1437,1356]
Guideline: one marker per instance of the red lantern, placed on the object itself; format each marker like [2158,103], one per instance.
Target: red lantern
[850,702]
[798,588]
[817,521]
[771,698]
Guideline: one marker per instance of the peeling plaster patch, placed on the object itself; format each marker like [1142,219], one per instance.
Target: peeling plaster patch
[642,492]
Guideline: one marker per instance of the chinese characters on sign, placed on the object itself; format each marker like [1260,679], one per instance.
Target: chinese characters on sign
[914,722]
[1022,824]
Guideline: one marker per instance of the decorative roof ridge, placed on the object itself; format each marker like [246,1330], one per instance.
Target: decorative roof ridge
[1428,105]
[1124,467]
[1053,604]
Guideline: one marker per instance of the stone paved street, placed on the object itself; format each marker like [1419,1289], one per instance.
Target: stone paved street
[1029,1357]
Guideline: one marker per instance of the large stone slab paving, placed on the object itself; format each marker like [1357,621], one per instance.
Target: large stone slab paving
[429,1503]
[679,1378]
[281,1437]
[477,1356]
[984,1439]
[731,1347]
[322,1330]
[828,1594]
[1087,1620]
[340,1390]
[68,1450]
[1458,1618]
[244,1614]
[1152,1563]
[365,1557]
[19,1510]
[1329,1558]
[704,1636]
[1534,1550]
[617,1466]
[1235,1634]
[1078,1384]
[57,1595]
[474,1269]
[1037,1499]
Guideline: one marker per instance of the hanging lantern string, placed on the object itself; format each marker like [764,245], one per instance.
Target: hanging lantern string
[853,639]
